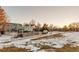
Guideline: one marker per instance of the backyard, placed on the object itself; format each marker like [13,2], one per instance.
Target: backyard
[51,42]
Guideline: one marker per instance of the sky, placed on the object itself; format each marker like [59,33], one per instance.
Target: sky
[56,15]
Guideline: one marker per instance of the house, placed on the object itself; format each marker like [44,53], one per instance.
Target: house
[27,28]
[16,27]
[13,27]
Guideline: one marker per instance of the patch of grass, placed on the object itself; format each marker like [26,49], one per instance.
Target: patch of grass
[57,35]
[46,48]
[67,48]
[6,42]
[13,49]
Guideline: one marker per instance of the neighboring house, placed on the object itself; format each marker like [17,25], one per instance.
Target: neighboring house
[16,27]
[13,27]
[28,28]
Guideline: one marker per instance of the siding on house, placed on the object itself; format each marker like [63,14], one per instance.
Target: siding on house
[14,27]
[28,28]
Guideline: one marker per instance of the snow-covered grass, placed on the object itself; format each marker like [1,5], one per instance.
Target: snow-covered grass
[57,41]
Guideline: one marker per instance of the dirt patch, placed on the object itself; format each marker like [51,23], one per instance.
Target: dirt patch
[57,35]
[6,42]
[46,48]
[67,48]
[13,49]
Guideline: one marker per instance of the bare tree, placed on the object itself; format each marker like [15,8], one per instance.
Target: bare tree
[50,27]
[65,28]
[38,27]
[3,21]
[45,27]
[32,22]
[74,26]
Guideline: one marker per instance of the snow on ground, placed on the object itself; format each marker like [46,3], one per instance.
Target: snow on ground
[27,42]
